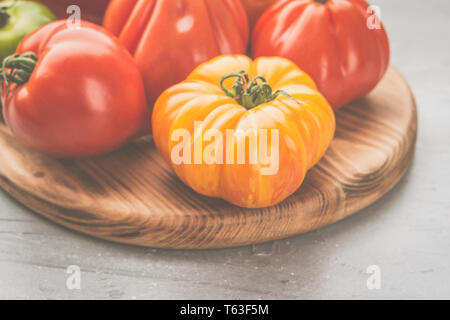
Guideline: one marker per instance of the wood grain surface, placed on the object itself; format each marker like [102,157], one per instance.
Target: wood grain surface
[131,196]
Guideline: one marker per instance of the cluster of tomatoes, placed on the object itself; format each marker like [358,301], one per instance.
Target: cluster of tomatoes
[76,90]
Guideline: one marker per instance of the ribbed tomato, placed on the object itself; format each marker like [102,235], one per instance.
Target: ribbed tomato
[341,44]
[169,38]
[242,130]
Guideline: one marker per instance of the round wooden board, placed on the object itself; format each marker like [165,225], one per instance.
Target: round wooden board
[131,195]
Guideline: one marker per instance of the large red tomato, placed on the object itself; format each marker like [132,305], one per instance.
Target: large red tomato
[73,92]
[169,38]
[341,44]
[91,10]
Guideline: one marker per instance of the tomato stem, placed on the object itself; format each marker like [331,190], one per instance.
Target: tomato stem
[321,1]
[251,94]
[18,68]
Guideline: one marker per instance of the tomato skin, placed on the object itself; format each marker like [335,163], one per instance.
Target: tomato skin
[85,96]
[169,38]
[91,10]
[255,9]
[306,127]
[331,42]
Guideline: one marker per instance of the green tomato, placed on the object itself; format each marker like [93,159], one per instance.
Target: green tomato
[18,18]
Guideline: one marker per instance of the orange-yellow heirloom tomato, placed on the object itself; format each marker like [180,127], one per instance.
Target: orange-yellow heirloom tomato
[263,107]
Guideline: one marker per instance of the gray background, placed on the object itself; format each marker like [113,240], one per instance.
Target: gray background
[406,233]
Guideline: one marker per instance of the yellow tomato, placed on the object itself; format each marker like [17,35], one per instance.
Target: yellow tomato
[244,131]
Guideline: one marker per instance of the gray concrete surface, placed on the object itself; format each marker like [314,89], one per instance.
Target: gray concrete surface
[407,233]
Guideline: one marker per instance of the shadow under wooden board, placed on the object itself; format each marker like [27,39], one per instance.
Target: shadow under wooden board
[131,195]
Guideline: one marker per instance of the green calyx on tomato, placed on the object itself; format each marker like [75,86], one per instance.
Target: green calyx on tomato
[18,18]
[19,66]
[251,94]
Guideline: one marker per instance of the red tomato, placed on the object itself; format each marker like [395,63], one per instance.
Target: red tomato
[169,38]
[91,10]
[335,42]
[85,95]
